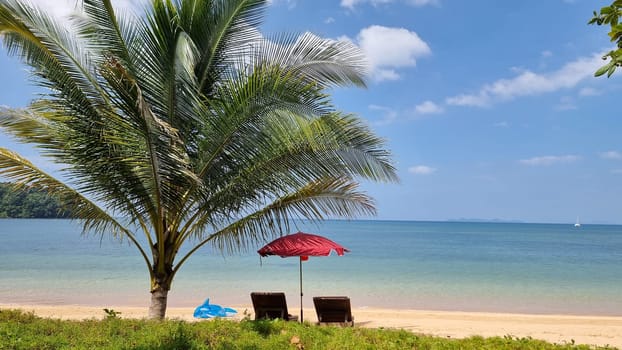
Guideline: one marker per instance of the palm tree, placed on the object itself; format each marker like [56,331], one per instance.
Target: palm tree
[190,124]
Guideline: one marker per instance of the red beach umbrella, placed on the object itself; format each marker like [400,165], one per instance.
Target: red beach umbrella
[302,245]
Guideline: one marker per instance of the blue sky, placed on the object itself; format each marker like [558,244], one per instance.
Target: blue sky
[490,107]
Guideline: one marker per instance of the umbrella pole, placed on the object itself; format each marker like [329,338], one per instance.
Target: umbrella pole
[300,261]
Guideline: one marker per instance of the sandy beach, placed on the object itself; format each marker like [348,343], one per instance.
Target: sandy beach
[591,330]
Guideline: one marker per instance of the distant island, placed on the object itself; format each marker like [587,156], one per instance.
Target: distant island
[28,203]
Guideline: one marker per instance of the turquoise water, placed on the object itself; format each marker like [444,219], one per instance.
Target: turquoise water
[526,268]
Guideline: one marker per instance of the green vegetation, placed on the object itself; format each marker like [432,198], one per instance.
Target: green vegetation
[20,330]
[28,203]
[190,123]
[610,15]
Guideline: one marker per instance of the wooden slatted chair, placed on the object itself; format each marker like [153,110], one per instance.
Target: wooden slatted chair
[271,305]
[334,310]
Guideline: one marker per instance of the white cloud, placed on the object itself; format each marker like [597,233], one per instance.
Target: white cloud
[58,8]
[566,103]
[291,4]
[329,20]
[428,107]
[63,8]
[589,91]
[421,170]
[388,115]
[529,83]
[388,49]
[611,155]
[549,160]
[350,4]
[517,69]
[502,124]
[385,74]
[480,100]
[419,3]
[130,5]
[546,53]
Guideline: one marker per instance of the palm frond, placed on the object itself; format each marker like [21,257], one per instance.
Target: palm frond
[24,173]
[76,104]
[93,218]
[168,162]
[105,32]
[244,103]
[55,54]
[231,26]
[98,163]
[290,151]
[168,80]
[362,152]
[337,197]
[325,62]
[31,128]
[286,153]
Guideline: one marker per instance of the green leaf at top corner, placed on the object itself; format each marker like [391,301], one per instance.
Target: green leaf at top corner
[611,70]
[602,70]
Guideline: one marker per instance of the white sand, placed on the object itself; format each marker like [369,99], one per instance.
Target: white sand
[592,330]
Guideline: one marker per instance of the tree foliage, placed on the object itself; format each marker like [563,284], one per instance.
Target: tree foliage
[610,15]
[190,123]
[28,203]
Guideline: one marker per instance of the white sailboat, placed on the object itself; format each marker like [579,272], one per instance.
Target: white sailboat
[577,224]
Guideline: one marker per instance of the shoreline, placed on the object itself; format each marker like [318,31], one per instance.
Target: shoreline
[591,330]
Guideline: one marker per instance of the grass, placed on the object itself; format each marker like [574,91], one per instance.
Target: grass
[21,330]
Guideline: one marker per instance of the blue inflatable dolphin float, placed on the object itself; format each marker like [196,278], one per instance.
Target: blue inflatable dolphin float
[207,310]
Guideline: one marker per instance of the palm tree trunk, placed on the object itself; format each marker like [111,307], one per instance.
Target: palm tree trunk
[159,297]
[161,278]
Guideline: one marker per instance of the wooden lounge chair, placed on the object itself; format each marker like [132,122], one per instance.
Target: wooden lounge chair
[271,305]
[333,310]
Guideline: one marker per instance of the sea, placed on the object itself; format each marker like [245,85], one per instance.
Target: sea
[451,266]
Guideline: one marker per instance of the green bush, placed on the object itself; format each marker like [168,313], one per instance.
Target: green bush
[21,330]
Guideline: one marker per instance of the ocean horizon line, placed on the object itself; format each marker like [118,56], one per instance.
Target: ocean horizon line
[388,220]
